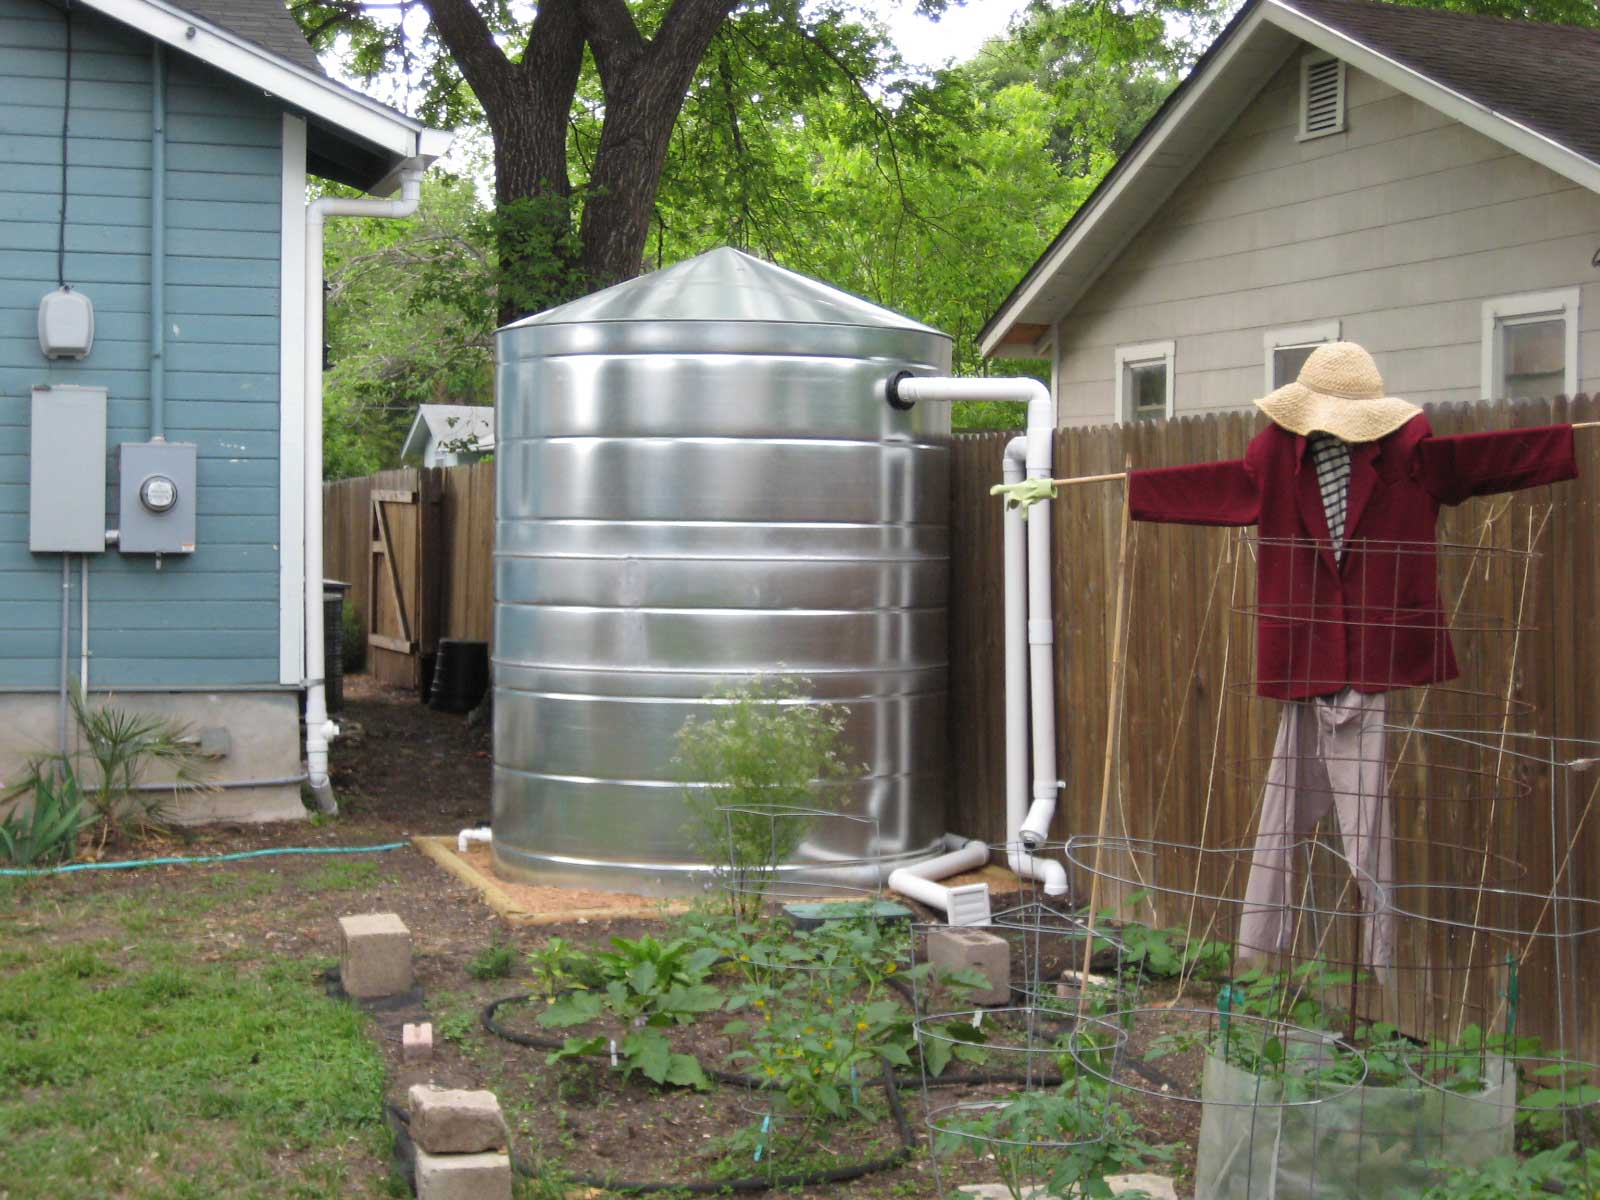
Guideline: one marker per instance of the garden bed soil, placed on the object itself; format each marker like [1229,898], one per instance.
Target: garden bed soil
[400,770]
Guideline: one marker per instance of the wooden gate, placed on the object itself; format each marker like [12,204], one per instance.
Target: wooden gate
[402,581]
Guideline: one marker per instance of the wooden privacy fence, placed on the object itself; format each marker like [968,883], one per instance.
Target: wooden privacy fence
[416,546]
[1195,742]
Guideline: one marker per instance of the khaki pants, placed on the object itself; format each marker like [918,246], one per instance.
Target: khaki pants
[1329,753]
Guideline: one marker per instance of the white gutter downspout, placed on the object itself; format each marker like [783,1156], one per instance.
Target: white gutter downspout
[1029,622]
[319,729]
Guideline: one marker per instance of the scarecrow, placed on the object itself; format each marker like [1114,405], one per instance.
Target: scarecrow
[1345,486]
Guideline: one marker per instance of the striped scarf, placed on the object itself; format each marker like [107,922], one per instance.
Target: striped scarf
[1331,457]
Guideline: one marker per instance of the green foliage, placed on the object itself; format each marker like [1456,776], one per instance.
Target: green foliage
[101,778]
[754,773]
[1163,953]
[494,961]
[645,986]
[1565,1170]
[48,832]
[344,875]
[106,1073]
[1061,1142]
[410,320]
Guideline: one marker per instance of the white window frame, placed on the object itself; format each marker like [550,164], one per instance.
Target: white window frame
[1308,60]
[1292,337]
[1529,306]
[1144,352]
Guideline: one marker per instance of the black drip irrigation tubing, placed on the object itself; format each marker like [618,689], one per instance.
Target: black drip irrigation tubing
[890,1083]
[713,1187]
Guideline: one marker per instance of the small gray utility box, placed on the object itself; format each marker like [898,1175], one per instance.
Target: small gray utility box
[67,471]
[157,497]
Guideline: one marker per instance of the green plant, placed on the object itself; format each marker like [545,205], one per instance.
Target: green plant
[48,832]
[494,961]
[1565,1170]
[756,772]
[115,748]
[1162,953]
[1060,1142]
[646,986]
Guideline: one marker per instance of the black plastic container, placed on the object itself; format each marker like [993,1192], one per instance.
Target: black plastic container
[460,675]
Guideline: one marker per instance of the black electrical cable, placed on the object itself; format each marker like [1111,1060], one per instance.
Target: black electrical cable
[66,124]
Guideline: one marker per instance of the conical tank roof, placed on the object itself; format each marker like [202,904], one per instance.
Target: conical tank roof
[724,285]
[723,300]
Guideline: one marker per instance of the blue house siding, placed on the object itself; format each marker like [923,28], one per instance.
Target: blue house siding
[209,619]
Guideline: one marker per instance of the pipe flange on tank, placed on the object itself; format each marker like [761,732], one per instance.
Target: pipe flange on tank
[891,392]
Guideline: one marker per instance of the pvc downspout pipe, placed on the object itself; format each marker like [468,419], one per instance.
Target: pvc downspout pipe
[319,729]
[158,243]
[918,881]
[1029,619]
[473,834]
[1018,548]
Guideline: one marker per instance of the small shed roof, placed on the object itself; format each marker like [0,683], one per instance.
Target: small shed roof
[1529,86]
[450,422]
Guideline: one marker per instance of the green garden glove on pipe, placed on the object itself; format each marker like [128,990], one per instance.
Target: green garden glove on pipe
[1026,494]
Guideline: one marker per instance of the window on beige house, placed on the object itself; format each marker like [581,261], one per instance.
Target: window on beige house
[1284,351]
[1530,345]
[1145,380]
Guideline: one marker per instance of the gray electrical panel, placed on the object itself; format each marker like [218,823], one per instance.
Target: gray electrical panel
[67,470]
[157,497]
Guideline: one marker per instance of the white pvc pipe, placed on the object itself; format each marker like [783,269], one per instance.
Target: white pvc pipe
[319,729]
[1029,617]
[484,835]
[918,883]
[1047,871]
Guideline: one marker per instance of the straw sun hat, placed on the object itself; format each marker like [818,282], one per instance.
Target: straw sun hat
[1339,391]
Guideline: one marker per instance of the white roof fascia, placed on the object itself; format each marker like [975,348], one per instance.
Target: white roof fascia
[1107,203]
[343,107]
[406,448]
[1514,135]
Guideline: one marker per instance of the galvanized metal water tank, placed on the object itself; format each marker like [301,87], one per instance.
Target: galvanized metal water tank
[698,482]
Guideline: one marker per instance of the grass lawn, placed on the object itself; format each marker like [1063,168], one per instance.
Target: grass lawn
[143,1056]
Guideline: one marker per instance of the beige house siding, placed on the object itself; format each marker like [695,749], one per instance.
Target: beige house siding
[1399,228]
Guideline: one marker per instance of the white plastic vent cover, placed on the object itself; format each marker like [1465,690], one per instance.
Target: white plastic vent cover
[1321,96]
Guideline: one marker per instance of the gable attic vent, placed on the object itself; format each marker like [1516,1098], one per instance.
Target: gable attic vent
[1321,96]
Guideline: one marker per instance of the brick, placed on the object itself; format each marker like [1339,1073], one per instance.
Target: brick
[454,1121]
[952,949]
[484,1176]
[374,955]
[416,1043]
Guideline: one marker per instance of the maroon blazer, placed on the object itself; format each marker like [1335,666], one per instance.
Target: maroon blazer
[1372,619]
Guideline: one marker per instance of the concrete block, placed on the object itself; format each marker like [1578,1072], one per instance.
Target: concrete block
[455,1121]
[416,1043]
[953,949]
[374,955]
[463,1176]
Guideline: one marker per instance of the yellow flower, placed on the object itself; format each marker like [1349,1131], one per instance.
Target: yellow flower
[861,1026]
[828,1045]
[761,1003]
[889,970]
[772,1070]
[744,958]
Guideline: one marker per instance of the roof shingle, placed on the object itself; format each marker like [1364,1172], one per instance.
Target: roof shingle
[1541,76]
[267,23]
